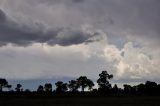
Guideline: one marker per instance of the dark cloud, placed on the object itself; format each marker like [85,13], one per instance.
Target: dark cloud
[23,35]
[2,16]
[69,36]
[132,26]
[55,2]
[78,1]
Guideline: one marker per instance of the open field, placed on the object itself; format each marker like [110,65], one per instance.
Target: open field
[81,101]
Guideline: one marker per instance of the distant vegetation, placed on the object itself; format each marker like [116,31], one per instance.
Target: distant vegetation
[77,87]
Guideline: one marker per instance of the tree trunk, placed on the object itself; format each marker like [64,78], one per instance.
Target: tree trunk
[82,89]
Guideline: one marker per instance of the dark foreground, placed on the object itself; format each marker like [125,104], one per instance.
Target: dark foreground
[81,101]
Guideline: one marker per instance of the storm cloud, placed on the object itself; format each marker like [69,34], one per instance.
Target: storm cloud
[80,37]
[119,19]
[2,16]
[24,35]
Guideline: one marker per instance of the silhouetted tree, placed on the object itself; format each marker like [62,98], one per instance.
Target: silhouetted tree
[73,86]
[84,82]
[27,91]
[61,87]
[148,88]
[115,89]
[48,87]
[90,84]
[129,89]
[40,88]
[19,88]
[140,88]
[3,83]
[151,87]
[103,81]
[158,88]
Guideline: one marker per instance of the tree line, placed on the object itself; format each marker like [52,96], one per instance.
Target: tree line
[80,84]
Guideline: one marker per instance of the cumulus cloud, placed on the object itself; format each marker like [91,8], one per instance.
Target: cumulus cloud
[131,62]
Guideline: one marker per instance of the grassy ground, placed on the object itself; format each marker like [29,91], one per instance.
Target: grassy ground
[81,101]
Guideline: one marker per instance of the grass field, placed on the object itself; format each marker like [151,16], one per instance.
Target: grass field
[81,101]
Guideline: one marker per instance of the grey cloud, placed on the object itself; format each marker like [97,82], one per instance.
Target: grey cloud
[70,36]
[23,35]
[55,2]
[78,1]
[134,17]
[2,16]
[124,21]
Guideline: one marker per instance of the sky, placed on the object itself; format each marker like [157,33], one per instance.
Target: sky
[58,39]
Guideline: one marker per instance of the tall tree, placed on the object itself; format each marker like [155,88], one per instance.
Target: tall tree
[84,82]
[127,88]
[140,88]
[73,85]
[61,87]
[40,88]
[19,88]
[90,84]
[103,81]
[151,87]
[115,88]
[3,83]
[48,87]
